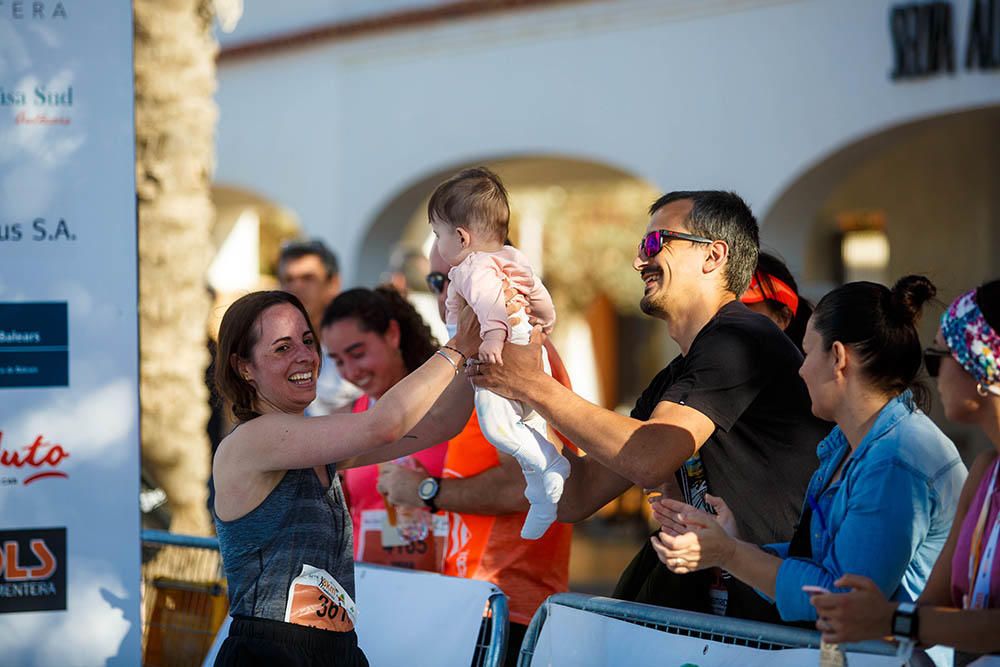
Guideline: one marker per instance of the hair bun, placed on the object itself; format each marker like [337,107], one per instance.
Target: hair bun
[909,295]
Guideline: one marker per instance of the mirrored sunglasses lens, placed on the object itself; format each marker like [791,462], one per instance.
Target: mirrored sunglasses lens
[651,244]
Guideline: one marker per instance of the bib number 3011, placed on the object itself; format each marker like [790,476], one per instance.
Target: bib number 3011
[318,600]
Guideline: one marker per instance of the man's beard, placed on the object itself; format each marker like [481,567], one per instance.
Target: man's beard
[652,305]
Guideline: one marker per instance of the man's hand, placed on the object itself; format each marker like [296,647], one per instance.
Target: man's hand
[694,541]
[666,511]
[399,483]
[522,363]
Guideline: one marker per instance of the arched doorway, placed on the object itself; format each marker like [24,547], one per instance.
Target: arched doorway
[933,179]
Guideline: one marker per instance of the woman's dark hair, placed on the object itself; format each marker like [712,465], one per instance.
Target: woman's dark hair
[879,324]
[374,309]
[238,334]
[988,300]
[769,266]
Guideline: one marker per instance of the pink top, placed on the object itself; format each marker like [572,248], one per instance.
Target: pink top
[480,279]
[960,561]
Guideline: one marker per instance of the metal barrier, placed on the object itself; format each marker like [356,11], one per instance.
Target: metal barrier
[735,631]
[491,644]
[183,586]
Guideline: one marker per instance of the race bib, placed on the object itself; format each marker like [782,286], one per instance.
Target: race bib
[380,544]
[317,600]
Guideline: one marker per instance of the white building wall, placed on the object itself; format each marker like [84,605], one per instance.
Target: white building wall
[744,95]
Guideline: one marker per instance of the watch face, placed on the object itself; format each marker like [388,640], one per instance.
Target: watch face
[427,489]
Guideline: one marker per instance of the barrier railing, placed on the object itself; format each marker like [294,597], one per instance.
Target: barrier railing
[491,644]
[734,631]
[184,598]
[185,602]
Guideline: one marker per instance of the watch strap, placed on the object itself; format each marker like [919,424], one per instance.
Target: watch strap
[905,621]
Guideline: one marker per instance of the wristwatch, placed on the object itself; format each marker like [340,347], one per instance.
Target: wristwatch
[905,621]
[427,491]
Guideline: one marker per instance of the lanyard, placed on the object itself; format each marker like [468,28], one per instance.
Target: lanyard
[981,555]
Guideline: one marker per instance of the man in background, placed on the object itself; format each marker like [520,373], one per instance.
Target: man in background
[310,271]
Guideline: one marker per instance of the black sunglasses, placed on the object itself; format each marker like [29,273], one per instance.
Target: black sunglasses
[436,281]
[932,359]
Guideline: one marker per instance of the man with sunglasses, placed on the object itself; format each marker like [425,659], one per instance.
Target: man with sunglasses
[728,418]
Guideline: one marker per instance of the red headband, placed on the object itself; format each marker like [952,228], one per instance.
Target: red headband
[780,292]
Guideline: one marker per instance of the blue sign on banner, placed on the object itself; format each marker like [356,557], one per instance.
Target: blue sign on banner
[34,345]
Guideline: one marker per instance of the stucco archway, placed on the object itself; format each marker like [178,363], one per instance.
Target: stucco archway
[935,180]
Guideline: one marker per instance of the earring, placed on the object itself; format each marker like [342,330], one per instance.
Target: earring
[985,390]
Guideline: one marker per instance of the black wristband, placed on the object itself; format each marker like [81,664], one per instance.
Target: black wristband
[454,349]
[906,621]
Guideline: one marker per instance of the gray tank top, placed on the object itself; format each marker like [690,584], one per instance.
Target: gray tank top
[299,522]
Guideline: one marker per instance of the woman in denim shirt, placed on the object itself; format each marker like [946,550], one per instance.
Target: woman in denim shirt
[883,498]
[960,607]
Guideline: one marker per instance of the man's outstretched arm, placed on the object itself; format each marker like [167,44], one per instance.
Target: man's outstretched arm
[644,452]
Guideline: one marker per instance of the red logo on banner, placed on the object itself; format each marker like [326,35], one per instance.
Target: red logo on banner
[13,569]
[40,460]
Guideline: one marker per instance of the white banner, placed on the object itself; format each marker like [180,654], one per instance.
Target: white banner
[419,619]
[583,639]
[69,415]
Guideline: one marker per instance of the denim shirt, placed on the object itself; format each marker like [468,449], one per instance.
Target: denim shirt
[887,516]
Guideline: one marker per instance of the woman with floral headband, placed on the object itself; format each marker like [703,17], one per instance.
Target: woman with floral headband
[960,605]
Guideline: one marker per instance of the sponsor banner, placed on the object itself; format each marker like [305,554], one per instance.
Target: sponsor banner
[69,409]
[33,576]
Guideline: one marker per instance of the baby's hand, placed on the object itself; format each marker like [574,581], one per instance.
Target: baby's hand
[490,351]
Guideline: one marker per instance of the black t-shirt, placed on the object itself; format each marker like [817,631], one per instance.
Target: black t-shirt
[742,373]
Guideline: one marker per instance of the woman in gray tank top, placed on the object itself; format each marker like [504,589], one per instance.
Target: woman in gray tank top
[284,530]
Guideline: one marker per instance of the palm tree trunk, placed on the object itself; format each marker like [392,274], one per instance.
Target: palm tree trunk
[175,123]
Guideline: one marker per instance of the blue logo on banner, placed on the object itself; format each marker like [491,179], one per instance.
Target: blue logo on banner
[34,345]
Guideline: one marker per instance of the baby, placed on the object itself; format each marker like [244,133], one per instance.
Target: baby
[469,214]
